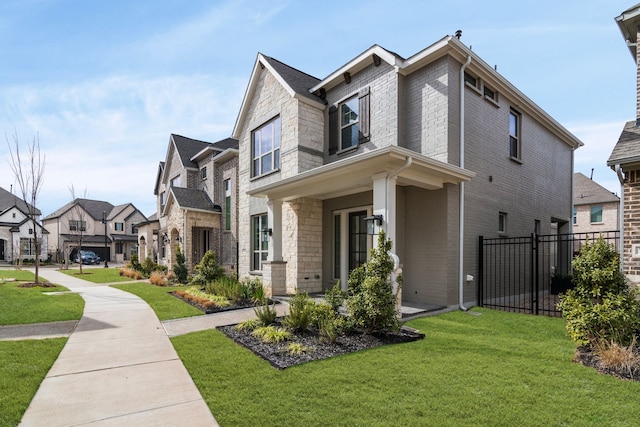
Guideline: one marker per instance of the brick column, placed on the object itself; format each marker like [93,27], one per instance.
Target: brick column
[274,277]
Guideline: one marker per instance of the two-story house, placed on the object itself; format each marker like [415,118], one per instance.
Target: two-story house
[110,231]
[435,149]
[196,191]
[625,157]
[16,229]
[595,209]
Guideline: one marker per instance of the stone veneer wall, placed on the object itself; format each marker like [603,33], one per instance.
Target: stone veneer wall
[302,245]
[632,225]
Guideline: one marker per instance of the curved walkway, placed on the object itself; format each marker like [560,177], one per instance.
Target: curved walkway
[118,368]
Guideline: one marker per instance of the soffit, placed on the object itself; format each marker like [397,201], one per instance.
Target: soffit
[355,175]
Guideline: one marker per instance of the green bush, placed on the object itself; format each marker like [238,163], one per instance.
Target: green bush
[207,270]
[372,304]
[180,268]
[134,263]
[225,286]
[252,289]
[335,297]
[301,308]
[601,307]
[266,313]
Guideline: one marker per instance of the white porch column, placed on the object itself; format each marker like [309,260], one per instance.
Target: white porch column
[384,203]
[274,215]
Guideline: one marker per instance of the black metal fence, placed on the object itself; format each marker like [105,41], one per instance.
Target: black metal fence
[527,274]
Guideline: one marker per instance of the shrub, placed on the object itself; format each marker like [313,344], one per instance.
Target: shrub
[225,286]
[266,313]
[301,308]
[296,349]
[619,358]
[148,266]
[133,263]
[601,307]
[271,334]
[131,273]
[180,268]
[248,325]
[252,289]
[372,304]
[335,297]
[207,270]
[330,323]
[158,279]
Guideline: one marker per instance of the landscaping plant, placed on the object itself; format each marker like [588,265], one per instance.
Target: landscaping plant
[266,313]
[372,304]
[207,270]
[602,309]
[180,268]
[301,308]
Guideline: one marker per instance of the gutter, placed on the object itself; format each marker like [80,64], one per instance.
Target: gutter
[461,208]
[618,170]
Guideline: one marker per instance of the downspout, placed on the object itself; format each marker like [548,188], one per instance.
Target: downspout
[461,208]
[619,172]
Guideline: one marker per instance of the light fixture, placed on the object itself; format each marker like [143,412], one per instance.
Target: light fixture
[372,221]
[266,232]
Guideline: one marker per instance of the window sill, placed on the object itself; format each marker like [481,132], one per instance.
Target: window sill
[264,175]
[597,223]
[475,89]
[492,101]
[347,150]
[515,159]
[255,273]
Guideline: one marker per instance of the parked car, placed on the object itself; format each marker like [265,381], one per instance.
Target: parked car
[88,257]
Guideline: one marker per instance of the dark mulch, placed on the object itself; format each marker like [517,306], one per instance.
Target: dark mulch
[33,285]
[587,356]
[280,358]
[209,310]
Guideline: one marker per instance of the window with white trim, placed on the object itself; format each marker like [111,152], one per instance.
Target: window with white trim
[514,134]
[349,119]
[596,214]
[265,148]
[227,204]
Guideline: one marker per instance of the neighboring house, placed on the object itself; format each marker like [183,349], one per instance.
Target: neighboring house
[594,207]
[16,229]
[196,189]
[436,149]
[84,220]
[148,238]
[625,157]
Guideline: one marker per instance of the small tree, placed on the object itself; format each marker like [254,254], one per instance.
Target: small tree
[29,173]
[180,267]
[372,304]
[601,308]
[207,270]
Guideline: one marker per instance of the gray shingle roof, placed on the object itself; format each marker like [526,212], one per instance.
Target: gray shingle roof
[94,208]
[8,200]
[188,147]
[587,192]
[627,149]
[191,198]
[299,81]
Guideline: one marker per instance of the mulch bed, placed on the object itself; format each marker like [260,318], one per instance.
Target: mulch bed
[278,356]
[588,357]
[33,285]
[209,310]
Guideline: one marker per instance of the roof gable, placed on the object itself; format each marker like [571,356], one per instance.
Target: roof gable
[8,200]
[191,199]
[587,192]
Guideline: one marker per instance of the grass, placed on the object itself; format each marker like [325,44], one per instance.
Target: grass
[166,306]
[23,366]
[497,369]
[33,305]
[22,275]
[98,275]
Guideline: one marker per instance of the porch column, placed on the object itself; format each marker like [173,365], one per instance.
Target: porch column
[274,221]
[384,203]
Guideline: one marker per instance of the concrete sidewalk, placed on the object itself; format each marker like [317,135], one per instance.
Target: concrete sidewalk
[118,368]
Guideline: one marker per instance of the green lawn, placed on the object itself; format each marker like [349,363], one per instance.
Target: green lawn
[23,366]
[23,275]
[33,305]
[98,275]
[166,306]
[497,369]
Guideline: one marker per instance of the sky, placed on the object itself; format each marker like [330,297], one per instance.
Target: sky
[102,85]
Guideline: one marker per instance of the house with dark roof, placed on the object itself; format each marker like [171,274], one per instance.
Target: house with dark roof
[110,231]
[436,150]
[595,209]
[196,191]
[625,157]
[16,229]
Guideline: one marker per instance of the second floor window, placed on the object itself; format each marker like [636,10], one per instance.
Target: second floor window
[265,149]
[203,173]
[227,204]
[75,225]
[119,226]
[596,214]
[349,123]
[514,134]
[175,182]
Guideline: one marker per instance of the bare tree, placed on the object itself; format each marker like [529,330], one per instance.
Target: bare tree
[29,174]
[79,221]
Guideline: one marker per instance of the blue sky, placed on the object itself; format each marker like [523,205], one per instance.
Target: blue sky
[104,84]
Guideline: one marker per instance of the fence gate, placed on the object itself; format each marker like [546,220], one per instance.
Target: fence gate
[527,274]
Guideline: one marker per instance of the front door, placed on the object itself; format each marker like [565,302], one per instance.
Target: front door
[351,244]
[2,250]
